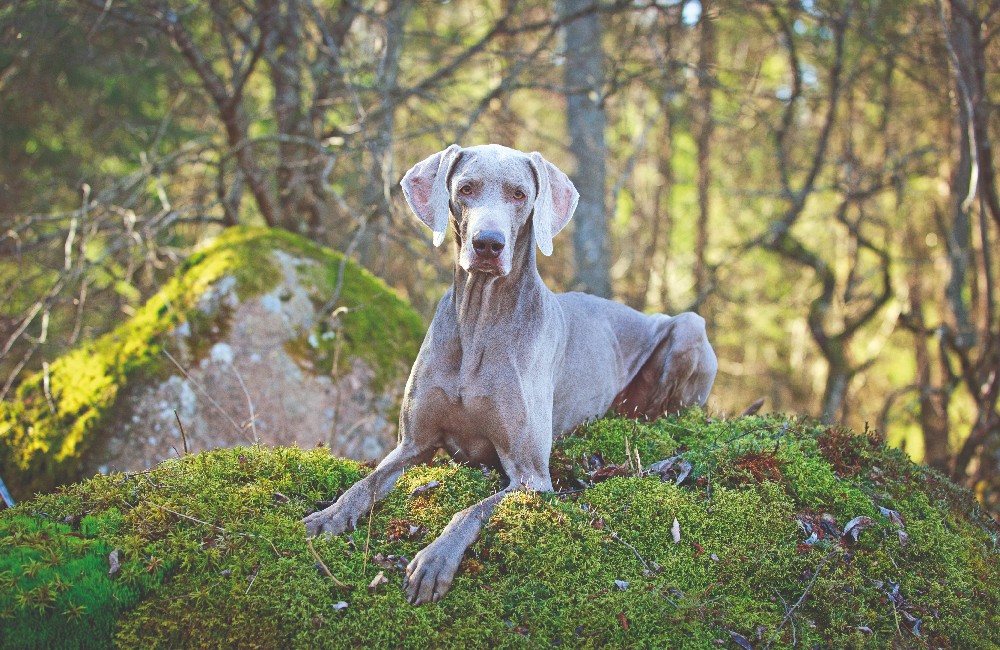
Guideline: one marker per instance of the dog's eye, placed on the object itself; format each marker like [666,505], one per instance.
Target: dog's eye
[465,189]
[519,195]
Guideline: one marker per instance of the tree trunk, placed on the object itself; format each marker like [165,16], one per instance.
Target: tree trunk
[962,183]
[379,143]
[661,230]
[585,121]
[974,175]
[292,173]
[934,397]
[705,125]
[838,379]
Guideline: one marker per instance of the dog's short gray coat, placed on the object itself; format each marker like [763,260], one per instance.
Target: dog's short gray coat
[507,365]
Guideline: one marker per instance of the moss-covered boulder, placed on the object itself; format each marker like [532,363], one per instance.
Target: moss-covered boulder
[757,532]
[260,336]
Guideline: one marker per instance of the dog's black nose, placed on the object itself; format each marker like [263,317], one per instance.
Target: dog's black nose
[488,243]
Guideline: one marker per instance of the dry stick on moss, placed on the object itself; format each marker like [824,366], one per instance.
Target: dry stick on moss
[204,392]
[253,578]
[184,440]
[802,598]
[615,537]
[218,528]
[785,603]
[319,560]
[368,537]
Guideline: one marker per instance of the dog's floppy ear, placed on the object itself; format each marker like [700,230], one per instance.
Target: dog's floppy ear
[425,187]
[555,203]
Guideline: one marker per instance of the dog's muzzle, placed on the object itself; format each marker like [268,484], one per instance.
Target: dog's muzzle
[487,246]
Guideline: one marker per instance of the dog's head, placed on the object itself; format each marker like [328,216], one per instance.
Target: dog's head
[491,191]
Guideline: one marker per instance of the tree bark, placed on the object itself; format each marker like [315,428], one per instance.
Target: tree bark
[934,398]
[379,142]
[705,126]
[977,346]
[586,121]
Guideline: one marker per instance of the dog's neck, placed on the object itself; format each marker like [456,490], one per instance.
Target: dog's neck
[487,303]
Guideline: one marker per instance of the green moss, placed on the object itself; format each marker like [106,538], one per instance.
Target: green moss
[544,571]
[372,324]
[55,587]
[44,434]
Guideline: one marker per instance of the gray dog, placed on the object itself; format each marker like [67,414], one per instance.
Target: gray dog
[507,365]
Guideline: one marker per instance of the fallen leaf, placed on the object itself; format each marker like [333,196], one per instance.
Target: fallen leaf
[904,539]
[715,558]
[855,526]
[865,629]
[674,469]
[280,498]
[683,474]
[339,605]
[397,563]
[624,620]
[611,471]
[752,410]
[380,579]
[113,563]
[420,489]
[828,524]
[621,584]
[740,640]
[893,516]
[675,530]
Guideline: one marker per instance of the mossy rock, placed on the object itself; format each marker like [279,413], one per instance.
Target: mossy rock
[761,554]
[265,347]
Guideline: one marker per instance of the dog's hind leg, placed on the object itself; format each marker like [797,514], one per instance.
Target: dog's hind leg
[679,372]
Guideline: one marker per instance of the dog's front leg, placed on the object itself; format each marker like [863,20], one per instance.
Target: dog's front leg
[429,575]
[360,497]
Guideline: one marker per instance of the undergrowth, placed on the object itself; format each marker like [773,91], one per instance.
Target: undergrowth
[760,543]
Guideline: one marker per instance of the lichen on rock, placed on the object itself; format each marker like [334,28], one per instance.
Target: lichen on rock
[770,547]
[264,350]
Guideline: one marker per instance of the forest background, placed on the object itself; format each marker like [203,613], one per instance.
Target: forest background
[814,177]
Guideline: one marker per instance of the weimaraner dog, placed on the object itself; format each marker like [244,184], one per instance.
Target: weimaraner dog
[507,365]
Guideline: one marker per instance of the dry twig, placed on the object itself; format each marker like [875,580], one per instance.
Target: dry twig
[323,566]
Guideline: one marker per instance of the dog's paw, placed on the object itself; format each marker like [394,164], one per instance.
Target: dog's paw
[429,575]
[334,520]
